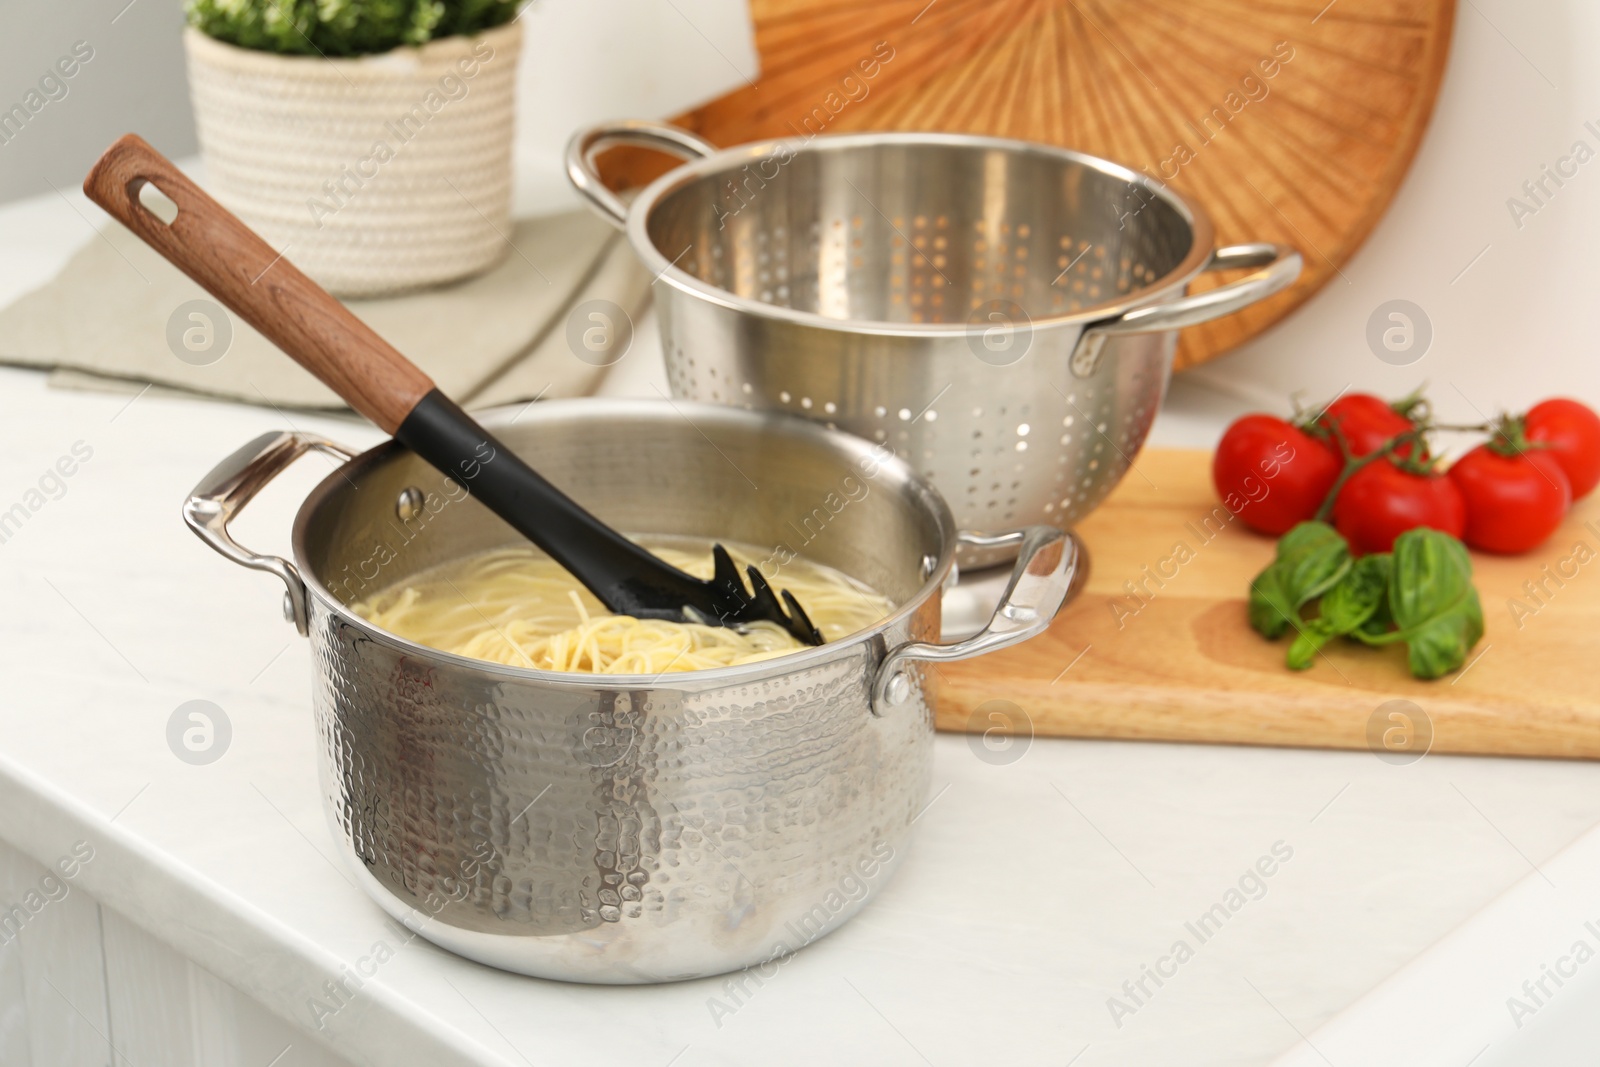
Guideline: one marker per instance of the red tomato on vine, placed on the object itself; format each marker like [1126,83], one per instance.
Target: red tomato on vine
[1384,499]
[1365,423]
[1570,432]
[1271,474]
[1516,491]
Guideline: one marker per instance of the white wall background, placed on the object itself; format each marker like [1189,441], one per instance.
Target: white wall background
[134,82]
[586,61]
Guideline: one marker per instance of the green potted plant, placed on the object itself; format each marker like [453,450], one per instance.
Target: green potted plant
[368,140]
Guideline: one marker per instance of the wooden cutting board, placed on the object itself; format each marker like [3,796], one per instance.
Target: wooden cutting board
[1180,662]
[1293,121]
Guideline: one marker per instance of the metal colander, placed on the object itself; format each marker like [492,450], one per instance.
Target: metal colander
[1002,314]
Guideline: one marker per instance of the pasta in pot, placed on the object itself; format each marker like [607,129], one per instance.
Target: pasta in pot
[519,607]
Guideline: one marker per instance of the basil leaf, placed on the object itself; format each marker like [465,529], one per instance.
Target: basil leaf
[1436,609]
[1344,609]
[1379,622]
[1311,558]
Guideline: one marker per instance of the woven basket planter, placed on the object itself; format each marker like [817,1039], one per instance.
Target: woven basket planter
[374,175]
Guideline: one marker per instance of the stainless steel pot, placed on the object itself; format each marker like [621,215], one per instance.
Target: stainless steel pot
[627,828]
[1003,314]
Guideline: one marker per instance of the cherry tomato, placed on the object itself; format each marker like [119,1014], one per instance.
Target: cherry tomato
[1365,421]
[1381,501]
[1514,501]
[1271,473]
[1571,432]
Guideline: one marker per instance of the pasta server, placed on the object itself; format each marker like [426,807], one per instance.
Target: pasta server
[234,264]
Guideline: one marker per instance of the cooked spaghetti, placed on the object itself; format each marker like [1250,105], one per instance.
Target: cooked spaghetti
[519,607]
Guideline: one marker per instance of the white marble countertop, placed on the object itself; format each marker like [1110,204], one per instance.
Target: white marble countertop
[1032,893]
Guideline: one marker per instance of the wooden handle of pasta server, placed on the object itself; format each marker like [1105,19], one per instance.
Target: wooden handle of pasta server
[257,283]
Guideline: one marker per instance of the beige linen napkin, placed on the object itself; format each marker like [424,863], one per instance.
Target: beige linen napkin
[106,322]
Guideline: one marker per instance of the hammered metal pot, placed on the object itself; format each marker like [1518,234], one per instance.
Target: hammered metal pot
[1003,314]
[625,829]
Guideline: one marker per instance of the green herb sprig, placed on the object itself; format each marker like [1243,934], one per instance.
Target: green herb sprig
[1421,594]
[342,27]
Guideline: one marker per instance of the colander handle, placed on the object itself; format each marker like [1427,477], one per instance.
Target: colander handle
[1279,266]
[587,144]
[1046,562]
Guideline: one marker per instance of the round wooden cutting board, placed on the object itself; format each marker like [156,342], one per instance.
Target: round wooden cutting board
[1289,121]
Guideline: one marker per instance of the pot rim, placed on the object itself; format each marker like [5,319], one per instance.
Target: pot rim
[1173,283]
[608,409]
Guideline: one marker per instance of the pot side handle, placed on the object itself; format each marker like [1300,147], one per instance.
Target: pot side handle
[1278,267]
[1046,561]
[587,144]
[232,484]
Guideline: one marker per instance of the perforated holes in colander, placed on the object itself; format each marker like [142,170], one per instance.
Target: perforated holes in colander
[763,268]
[719,267]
